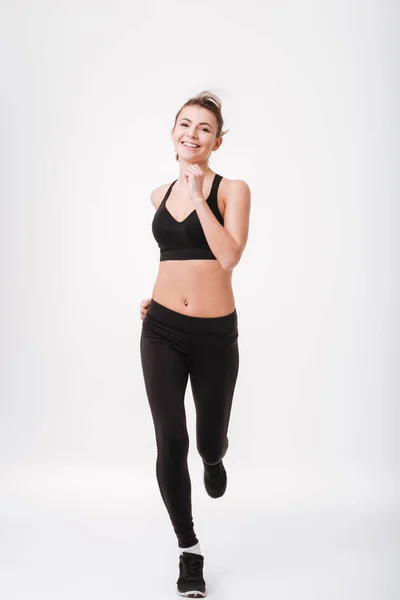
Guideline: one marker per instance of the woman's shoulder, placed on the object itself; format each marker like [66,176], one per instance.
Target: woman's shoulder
[233,183]
[233,187]
[158,194]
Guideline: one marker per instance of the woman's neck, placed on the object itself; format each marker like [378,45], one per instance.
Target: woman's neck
[183,169]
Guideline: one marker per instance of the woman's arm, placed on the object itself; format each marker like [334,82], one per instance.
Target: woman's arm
[227,242]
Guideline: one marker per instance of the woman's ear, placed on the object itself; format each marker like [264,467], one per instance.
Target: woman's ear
[218,143]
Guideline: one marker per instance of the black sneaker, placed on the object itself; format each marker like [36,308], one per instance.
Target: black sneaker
[215,479]
[191,583]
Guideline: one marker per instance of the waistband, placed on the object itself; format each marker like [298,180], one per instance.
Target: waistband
[224,324]
[186,254]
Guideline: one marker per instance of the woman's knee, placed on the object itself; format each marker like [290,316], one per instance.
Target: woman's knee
[173,445]
[212,451]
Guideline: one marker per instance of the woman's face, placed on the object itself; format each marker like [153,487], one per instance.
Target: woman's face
[195,134]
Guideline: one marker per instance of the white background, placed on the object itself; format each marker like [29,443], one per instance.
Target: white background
[89,93]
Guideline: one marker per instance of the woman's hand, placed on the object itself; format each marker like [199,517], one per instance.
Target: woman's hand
[144,305]
[194,178]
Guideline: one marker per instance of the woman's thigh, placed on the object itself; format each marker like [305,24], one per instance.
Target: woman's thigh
[213,367]
[165,375]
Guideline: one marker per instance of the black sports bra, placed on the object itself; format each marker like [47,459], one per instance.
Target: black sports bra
[184,240]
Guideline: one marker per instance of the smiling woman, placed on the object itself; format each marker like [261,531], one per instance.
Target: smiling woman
[218,208]
[190,324]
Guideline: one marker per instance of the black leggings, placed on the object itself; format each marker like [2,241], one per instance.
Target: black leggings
[172,346]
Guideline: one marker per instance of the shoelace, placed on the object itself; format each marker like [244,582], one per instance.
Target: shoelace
[192,566]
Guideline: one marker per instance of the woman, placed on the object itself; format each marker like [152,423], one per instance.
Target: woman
[190,324]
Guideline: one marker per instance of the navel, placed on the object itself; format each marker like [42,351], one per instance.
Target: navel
[185,301]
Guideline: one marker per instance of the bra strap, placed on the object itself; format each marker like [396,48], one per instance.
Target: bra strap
[214,189]
[168,192]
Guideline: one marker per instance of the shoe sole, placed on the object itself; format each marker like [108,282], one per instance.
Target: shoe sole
[215,496]
[192,594]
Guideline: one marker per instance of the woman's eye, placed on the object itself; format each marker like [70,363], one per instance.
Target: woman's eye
[203,128]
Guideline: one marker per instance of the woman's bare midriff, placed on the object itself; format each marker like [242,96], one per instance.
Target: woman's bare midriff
[198,288]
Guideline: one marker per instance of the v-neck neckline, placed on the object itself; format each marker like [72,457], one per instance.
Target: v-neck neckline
[194,210]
